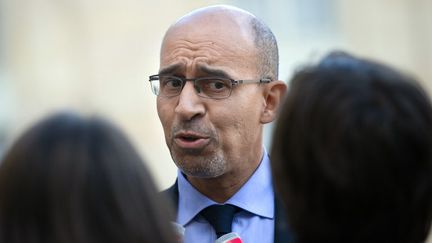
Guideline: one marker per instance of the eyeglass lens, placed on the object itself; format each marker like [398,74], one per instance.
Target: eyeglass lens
[170,86]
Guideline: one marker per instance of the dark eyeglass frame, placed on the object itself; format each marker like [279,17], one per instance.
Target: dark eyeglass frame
[155,87]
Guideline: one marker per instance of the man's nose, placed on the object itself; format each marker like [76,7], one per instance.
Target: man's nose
[189,104]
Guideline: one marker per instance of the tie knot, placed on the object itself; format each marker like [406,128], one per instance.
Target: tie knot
[220,217]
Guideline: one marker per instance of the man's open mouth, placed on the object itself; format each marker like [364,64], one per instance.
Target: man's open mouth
[191,140]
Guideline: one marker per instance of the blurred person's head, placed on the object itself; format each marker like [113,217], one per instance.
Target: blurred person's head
[352,153]
[73,179]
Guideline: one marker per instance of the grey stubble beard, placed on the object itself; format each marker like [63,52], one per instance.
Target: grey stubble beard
[206,167]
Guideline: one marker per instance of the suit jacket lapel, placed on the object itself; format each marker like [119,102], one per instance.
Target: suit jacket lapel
[172,194]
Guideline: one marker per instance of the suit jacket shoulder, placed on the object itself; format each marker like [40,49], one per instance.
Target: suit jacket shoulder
[172,194]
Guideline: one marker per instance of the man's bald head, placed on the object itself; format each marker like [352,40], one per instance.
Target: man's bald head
[249,29]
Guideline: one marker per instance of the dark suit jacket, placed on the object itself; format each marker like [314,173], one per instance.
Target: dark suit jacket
[281,234]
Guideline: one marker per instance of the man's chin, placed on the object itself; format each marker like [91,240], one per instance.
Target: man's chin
[200,166]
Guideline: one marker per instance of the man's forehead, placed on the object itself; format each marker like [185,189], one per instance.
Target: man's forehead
[200,67]
[211,45]
[217,36]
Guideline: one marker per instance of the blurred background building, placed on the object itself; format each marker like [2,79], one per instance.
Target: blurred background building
[95,56]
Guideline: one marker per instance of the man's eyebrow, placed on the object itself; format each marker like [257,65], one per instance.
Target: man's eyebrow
[213,72]
[170,69]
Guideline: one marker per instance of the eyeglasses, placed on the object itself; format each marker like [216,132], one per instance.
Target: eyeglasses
[206,87]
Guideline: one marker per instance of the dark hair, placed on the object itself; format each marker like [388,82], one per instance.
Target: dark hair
[352,153]
[267,49]
[75,180]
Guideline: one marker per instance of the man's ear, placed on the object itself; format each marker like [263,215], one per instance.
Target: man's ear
[274,94]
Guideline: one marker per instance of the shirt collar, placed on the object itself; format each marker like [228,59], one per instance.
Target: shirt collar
[256,195]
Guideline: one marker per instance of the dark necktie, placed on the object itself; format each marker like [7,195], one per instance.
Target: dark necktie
[220,217]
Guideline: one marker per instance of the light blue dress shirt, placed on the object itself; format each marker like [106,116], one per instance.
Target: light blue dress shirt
[255,223]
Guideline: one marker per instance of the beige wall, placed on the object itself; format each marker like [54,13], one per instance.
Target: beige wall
[398,32]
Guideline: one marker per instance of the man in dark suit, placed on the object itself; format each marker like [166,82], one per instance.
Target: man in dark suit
[217,86]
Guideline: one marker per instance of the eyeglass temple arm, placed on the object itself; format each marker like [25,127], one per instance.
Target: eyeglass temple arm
[263,80]
[153,77]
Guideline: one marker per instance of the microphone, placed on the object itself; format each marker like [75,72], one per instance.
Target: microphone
[179,231]
[229,238]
